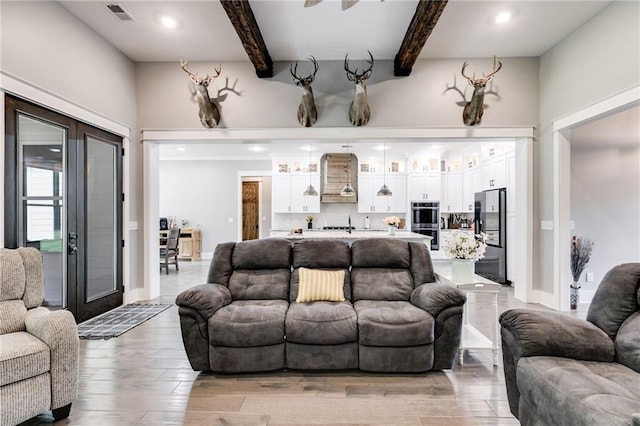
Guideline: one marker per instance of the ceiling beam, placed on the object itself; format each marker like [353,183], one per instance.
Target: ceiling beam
[242,19]
[423,22]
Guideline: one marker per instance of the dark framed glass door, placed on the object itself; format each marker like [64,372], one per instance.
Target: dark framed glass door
[63,189]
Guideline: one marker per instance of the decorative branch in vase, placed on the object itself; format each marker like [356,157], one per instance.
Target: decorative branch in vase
[581,248]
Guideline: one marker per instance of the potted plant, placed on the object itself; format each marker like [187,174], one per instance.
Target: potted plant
[464,249]
[580,254]
[393,222]
[309,220]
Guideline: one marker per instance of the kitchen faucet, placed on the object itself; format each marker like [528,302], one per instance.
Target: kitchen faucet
[349,227]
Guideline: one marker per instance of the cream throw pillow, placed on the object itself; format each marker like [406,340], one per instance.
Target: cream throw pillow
[316,285]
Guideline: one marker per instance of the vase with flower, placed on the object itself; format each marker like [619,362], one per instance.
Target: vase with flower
[393,222]
[464,249]
[580,254]
[309,220]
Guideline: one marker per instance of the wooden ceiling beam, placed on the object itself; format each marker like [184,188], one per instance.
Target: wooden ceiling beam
[422,24]
[242,19]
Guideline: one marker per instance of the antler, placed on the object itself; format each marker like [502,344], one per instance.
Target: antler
[353,75]
[293,70]
[195,77]
[486,78]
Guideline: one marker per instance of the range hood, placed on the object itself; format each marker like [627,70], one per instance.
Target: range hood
[336,170]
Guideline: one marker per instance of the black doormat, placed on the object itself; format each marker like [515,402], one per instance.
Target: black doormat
[118,321]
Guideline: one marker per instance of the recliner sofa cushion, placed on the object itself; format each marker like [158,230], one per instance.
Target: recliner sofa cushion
[321,323]
[627,343]
[616,298]
[22,356]
[248,323]
[381,284]
[12,315]
[393,323]
[265,284]
[268,253]
[565,391]
[380,253]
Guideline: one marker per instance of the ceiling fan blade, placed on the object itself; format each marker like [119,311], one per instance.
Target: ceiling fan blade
[309,3]
[346,4]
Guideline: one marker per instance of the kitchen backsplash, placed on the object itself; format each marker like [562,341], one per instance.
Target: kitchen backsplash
[332,215]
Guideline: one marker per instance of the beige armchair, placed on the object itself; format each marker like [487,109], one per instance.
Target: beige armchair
[38,347]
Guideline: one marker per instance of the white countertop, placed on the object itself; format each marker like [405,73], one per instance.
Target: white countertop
[357,234]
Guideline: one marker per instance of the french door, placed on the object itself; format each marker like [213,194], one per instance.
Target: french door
[63,193]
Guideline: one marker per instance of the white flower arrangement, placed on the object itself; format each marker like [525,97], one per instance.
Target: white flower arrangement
[464,245]
[392,221]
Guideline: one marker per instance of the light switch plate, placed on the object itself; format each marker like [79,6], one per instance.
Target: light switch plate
[589,277]
[546,225]
[230,220]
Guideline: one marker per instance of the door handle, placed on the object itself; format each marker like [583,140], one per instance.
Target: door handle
[72,245]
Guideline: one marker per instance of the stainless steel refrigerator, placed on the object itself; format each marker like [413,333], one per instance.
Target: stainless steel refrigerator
[490,217]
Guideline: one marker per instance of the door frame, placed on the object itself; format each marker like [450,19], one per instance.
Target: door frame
[522,136]
[21,89]
[75,152]
[561,224]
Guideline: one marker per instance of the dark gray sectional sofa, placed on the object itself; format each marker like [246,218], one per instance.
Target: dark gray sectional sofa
[560,370]
[395,317]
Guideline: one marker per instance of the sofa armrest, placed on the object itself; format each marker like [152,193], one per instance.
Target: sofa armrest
[206,299]
[636,419]
[537,333]
[59,331]
[436,297]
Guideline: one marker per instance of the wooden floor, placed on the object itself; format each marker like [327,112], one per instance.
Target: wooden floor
[143,378]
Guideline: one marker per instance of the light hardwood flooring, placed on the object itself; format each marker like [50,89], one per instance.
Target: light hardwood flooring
[143,377]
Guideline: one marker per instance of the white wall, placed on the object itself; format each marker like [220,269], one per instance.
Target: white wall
[598,60]
[164,100]
[46,47]
[206,193]
[605,205]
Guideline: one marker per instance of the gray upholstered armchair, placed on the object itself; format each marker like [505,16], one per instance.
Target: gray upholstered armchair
[561,370]
[38,347]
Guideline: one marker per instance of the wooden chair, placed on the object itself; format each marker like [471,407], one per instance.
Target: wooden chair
[169,253]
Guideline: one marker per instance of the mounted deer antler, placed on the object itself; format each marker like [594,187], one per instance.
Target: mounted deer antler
[209,111]
[359,111]
[307,113]
[473,110]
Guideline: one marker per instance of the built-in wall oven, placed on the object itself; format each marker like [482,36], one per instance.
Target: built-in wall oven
[425,220]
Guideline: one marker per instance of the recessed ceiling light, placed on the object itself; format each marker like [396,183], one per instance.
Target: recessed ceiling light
[256,148]
[307,148]
[168,21]
[181,149]
[381,148]
[503,17]
[55,149]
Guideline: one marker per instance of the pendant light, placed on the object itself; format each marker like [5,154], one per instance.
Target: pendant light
[348,190]
[384,191]
[310,191]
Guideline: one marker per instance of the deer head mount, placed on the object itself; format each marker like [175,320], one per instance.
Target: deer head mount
[359,111]
[208,108]
[307,113]
[473,110]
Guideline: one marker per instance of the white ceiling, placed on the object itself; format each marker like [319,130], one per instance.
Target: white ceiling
[466,29]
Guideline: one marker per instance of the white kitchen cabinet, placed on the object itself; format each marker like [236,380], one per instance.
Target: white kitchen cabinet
[287,194]
[301,203]
[452,201]
[471,183]
[424,186]
[511,244]
[370,202]
[281,193]
[494,172]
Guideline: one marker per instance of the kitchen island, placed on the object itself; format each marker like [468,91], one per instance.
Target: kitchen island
[357,234]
